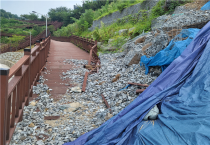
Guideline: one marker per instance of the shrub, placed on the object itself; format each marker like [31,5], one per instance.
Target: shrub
[121,6]
[118,41]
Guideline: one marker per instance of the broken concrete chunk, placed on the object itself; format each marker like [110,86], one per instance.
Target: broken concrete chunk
[76,89]
[152,114]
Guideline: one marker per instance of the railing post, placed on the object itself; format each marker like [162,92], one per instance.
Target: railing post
[38,61]
[3,107]
[28,52]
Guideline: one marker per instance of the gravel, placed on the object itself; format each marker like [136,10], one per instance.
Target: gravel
[12,56]
[180,18]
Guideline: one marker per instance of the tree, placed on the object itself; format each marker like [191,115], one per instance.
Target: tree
[5,14]
[36,30]
[31,16]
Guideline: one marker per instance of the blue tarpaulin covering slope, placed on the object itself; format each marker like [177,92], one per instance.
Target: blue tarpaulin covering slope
[165,57]
[121,128]
[185,118]
[206,6]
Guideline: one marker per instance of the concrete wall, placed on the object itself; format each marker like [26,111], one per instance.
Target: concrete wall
[109,19]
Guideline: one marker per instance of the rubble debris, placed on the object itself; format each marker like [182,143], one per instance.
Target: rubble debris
[143,85]
[51,117]
[76,89]
[152,114]
[140,90]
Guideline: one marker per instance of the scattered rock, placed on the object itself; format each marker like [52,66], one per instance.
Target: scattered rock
[76,89]
[31,125]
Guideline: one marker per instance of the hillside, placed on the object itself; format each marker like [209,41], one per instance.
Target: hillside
[133,25]
[15,34]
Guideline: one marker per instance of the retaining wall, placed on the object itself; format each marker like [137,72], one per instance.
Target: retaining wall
[111,18]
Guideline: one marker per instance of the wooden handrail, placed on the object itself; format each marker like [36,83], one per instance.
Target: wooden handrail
[15,92]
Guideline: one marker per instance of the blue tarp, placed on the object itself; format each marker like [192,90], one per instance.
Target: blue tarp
[182,92]
[165,57]
[206,6]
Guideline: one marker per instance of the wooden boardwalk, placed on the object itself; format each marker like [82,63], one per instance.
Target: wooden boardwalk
[59,51]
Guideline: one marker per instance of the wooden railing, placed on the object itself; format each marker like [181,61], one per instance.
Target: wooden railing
[88,45]
[82,42]
[15,92]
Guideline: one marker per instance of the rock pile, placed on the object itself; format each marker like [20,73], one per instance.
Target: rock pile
[102,83]
[71,117]
[12,56]
[148,44]
[181,18]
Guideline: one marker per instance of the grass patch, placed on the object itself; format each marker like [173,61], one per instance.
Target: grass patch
[119,5]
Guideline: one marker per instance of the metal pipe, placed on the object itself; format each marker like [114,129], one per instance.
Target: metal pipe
[46,25]
[30,40]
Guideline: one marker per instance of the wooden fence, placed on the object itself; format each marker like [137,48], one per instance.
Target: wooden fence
[15,93]
[88,45]
[82,42]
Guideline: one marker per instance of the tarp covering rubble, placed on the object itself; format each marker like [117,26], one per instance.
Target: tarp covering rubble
[206,6]
[182,92]
[165,57]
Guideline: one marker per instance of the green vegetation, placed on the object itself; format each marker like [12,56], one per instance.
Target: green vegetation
[9,15]
[117,5]
[17,27]
[140,22]
[68,16]
[15,40]
[7,23]
[18,30]
[30,16]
